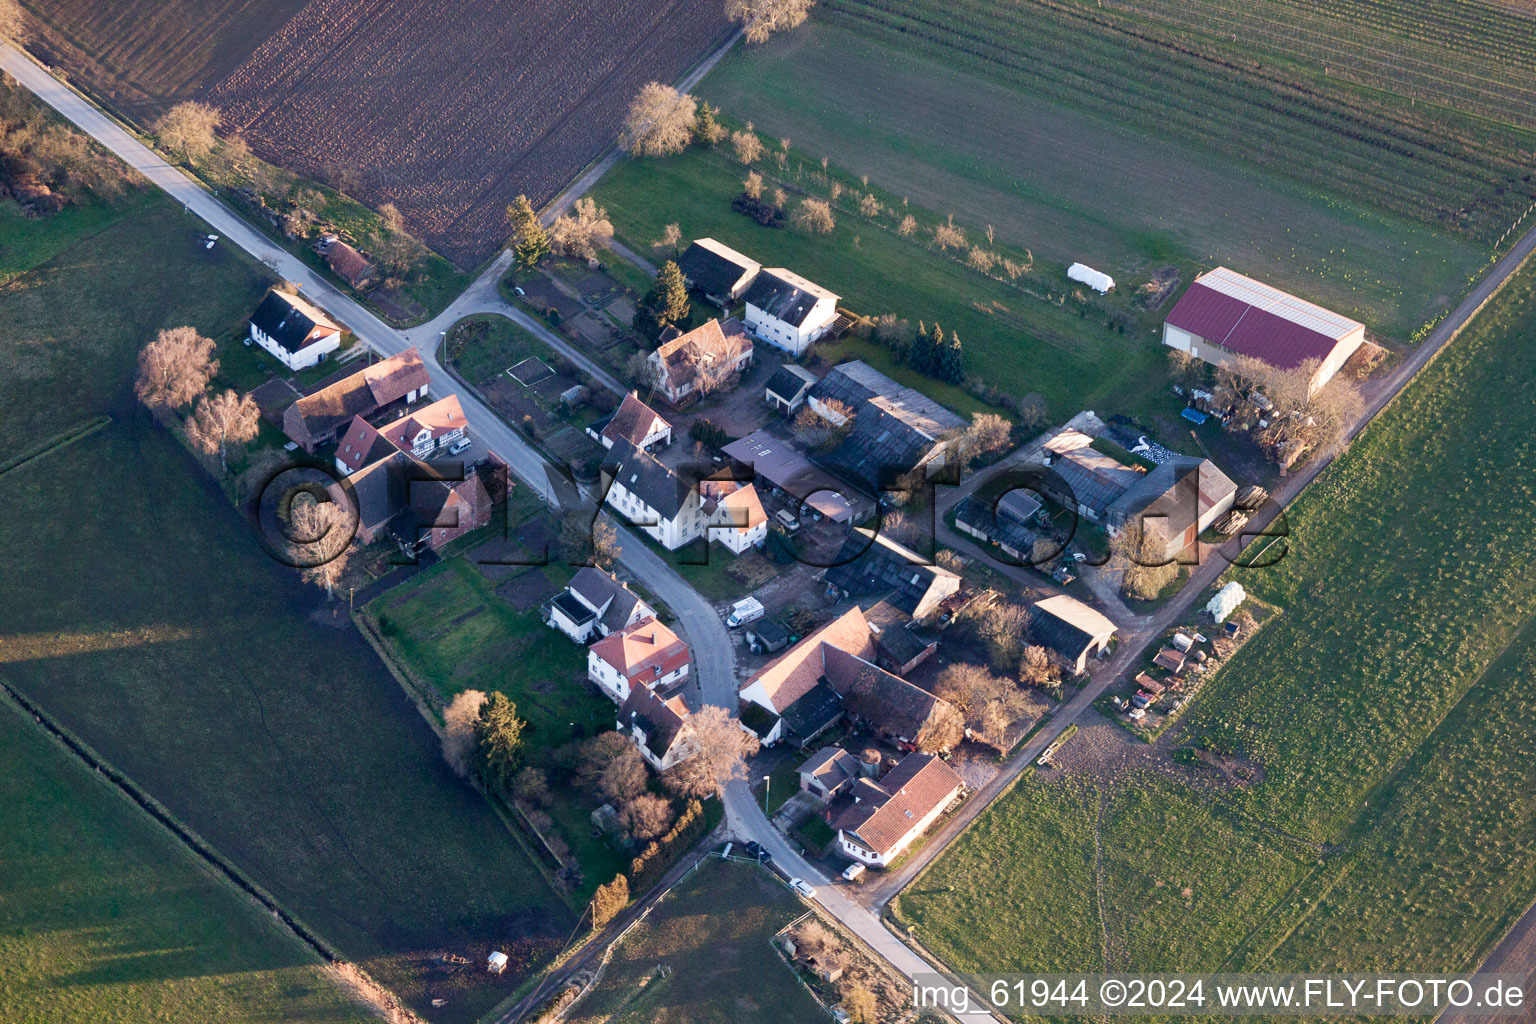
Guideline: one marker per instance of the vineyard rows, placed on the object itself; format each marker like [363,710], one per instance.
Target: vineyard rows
[450,108]
[1456,171]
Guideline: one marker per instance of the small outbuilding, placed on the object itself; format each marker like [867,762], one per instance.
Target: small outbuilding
[496,962]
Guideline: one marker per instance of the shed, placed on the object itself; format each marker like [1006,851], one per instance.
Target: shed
[496,962]
[1170,659]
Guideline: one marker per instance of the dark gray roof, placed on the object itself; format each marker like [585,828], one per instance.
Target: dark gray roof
[789,382]
[895,428]
[979,515]
[1066,625]
[1094,479]
[573,609]
[282,320]
[641,474]
[816,709]
[780,298]
[894,636]
[711,271]
[889,570]
[887,702]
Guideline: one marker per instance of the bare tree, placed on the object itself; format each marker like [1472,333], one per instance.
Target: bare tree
[869,206]
[749,148]
[1143,571]
[908,226]
[988,433]
[752,185]
[814,216]
[531,786]
[1038,668]
[763,18]
[221,420]
[459,720]
[1004,627]
[585,230]
[646,817]
[947,236]
[670,238]
[724,747]
[319,536]
[174,368]
[188,129]
[860,1003]
[623,778]
[980,259]
[659,122]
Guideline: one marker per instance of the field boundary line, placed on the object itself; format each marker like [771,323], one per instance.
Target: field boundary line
[79,432]
[200,848]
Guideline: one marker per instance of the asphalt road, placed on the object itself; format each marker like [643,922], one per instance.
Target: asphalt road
[700,623]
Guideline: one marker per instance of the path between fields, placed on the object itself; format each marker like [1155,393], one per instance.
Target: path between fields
[699,621]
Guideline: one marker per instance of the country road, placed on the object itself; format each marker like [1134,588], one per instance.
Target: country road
[698,620]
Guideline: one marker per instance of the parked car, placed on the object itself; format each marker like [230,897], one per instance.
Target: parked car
[460,445]
[853,872]
[789,522]
[755,850]
[803,887]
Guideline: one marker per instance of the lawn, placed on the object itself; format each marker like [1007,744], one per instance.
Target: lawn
[1394,824]
[1034,337]
[1411,564]
[1074,183]
[720,967]
[150,623]
[105,917]
[456,633]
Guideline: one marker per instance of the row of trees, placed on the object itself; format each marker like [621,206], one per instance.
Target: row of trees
[46,163]
[174,372]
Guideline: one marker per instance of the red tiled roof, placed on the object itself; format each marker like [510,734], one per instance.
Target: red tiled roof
[887,810]
[644,651]
[632,421]
[795,673]
[1252,319]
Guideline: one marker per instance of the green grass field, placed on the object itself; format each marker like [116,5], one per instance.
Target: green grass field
[142,614]
[1075,184]
[1012,338]
[105,917]
[722,968]
[457,634]
[1245,93]
[1394,826]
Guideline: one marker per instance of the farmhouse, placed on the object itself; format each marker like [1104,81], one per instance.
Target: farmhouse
[787,388]
[895,429]
[1082,478]
[788,312]
[778,463]
[595,603]
[1070,630]
[404,497]
[1225,314]
[1175,503]
[632,421]
[659,727]
[871,565]
[830,673]
[880,820]
[316,419]
[422,432]
[716,271]
[350,265]
[829,772]
[297,334]
[688,366]
[643,654]
[674,513]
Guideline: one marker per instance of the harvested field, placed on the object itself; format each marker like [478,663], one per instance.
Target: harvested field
[450,109]
[446,108]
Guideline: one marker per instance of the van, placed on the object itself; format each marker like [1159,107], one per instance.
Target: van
[460,445]
[786,520]
[748,609]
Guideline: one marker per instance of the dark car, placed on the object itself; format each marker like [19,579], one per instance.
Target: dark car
[755,849]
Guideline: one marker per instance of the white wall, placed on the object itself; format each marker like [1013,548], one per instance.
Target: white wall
[304,358]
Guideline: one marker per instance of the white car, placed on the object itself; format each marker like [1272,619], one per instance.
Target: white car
[460,445]
[803,887]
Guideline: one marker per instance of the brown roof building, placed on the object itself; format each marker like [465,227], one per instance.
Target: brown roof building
[350,265]
[317,419]
[882,819]
[689,366]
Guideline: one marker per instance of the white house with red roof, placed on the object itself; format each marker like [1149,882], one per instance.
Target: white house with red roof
[421,433]
[642,655]
[632,421]
[1225,314]
[877,821]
